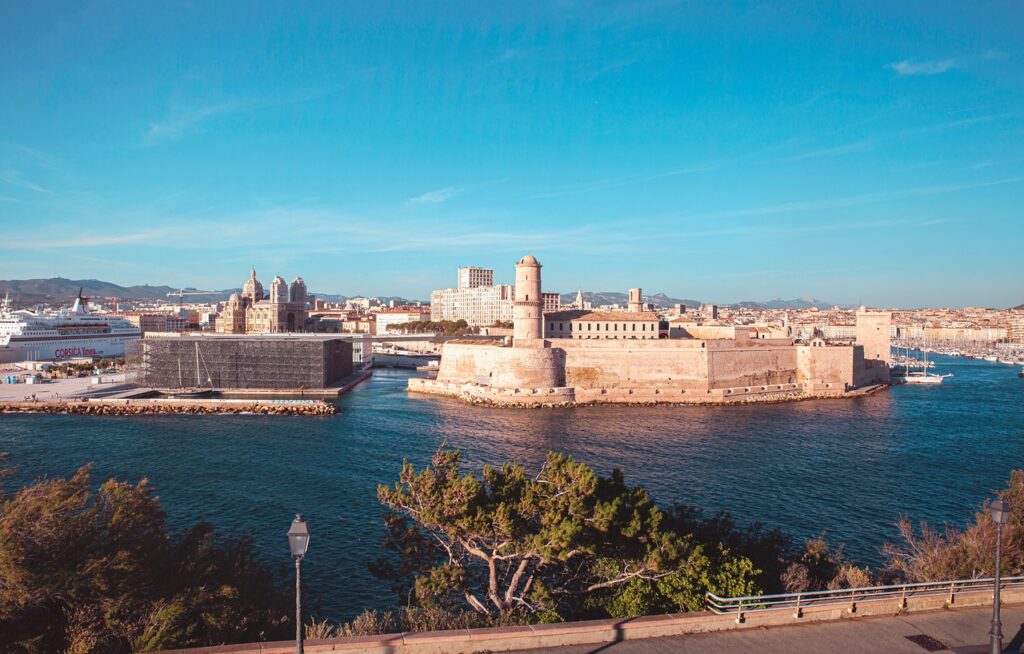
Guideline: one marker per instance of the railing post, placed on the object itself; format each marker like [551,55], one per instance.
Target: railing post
[952,592]
[903,598]
[739,614]
[853,601]
[799,612]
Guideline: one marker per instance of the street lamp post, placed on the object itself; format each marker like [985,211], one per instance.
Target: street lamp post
[1000,516]
[298,541]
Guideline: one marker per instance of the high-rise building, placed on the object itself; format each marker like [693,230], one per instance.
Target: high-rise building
[479,306]
[473,277]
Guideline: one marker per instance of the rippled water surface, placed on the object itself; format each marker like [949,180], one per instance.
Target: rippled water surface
[848,467]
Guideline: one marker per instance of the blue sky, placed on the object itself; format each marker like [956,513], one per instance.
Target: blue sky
[857,152]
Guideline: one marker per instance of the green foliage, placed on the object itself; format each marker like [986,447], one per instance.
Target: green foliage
[447,327]
[95,570]
[563,543]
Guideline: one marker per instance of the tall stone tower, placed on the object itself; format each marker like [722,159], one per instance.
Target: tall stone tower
[873,335]
[528,304]
[278,290]
[636,300]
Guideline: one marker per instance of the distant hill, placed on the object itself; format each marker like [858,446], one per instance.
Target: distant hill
[779,303]
[612,297]
[664,301]
[1019,307]
[58,290]
[61,290]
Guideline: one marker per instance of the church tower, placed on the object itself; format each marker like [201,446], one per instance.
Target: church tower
[528,303]
[636,300]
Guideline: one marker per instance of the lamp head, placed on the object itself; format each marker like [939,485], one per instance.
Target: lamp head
[1000,510]
[298,537]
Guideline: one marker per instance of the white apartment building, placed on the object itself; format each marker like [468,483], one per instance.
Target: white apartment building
[473,277]
[386,318]
[552,302]
[479,306]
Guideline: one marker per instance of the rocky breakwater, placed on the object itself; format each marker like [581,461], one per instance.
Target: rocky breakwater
[149,407]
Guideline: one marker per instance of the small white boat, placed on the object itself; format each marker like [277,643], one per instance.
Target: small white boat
[990,357]
[1008,362]
[923,378]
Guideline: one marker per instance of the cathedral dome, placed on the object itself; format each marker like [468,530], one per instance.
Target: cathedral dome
[528,260]
[253,289]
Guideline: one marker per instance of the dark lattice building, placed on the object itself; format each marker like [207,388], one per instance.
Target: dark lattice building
[240,362]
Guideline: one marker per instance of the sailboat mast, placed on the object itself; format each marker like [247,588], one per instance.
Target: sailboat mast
[199,383]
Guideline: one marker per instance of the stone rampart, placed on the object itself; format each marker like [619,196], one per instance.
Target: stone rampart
[501,367]
[666,371]
[610,364]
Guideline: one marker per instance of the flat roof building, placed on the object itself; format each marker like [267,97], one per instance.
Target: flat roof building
[472,277]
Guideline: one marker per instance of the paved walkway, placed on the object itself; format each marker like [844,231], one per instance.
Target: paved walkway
[70,388]
[963,631]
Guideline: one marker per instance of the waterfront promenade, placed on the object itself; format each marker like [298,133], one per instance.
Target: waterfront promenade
[964,632]
[926,624]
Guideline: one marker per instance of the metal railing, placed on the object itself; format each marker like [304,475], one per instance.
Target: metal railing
[849,597]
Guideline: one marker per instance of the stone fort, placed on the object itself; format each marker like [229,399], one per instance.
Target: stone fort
[582,356]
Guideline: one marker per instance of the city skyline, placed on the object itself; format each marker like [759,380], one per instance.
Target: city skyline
[858,154]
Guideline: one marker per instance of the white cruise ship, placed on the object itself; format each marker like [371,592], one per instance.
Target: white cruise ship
[64,334]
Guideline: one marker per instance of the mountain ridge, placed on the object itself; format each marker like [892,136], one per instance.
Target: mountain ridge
[661,300]
[27,292]
[52,290]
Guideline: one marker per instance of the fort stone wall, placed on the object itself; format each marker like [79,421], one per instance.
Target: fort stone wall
[735,366]
[501,367]
[634,364]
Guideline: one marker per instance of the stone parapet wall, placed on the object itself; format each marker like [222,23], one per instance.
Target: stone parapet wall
[599,632]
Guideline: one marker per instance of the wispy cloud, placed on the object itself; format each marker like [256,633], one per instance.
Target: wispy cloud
[178,125]
[859,146]
[189,120]
[85,241]
[434,197]
[908,67]
[14,178]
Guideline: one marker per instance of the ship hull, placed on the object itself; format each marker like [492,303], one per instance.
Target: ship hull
[61,349]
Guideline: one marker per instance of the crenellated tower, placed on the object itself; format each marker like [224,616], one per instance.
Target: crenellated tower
[528,315]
